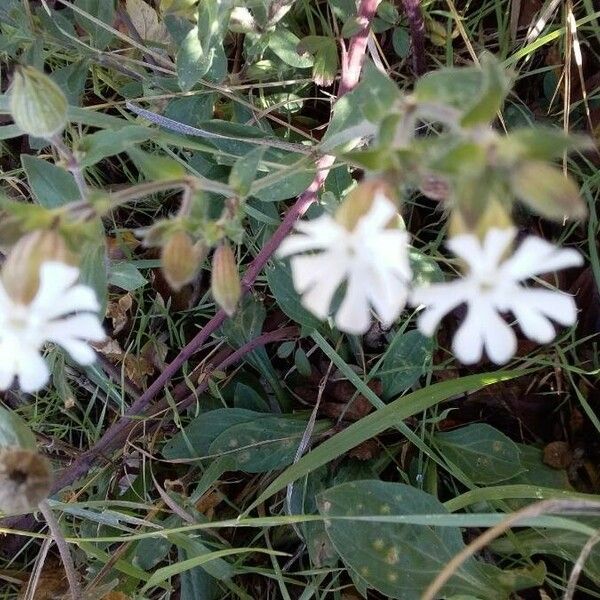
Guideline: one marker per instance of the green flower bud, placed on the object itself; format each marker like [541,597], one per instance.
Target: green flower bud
[21,269]
[181,259]
[359,200]
[225,285]
[38,106]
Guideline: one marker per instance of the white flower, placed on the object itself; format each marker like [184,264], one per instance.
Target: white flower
[25,328]
[372,259]
[494,285]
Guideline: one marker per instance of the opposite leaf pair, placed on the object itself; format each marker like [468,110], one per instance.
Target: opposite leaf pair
[372,259]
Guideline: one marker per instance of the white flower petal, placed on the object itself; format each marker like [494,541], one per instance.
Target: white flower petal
[83,327]
[534,325]
[388,297]
[79,351]
[78,298]
[439,299]
[467,247]
[379,215]
[495,244]
[55,279]
[535,255]
[467,344]
[317,278]
[32,370]
[8,367]
[499,339]
[554,304]
[319,234]
[353,315]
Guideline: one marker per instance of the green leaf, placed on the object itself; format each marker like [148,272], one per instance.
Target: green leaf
[495,87]
[99,10]
[398,559]
[407,358]
[14,431]
[195,439]
[380,420]
[285,45]
[156,166]
[254,442]
[541,143]
[92,267]
[178,567]
[567,546]
[547,191]
[401,42]
[279,278]
[93,148]
[289,184]
[484,454]
[192,61]
[126,276]
[454,86]
[244,171]
[51,185]
[358,113]
[325,52]
[263,444]
[458,159]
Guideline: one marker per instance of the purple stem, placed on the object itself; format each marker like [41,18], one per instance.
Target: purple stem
[412,8]
[119,430]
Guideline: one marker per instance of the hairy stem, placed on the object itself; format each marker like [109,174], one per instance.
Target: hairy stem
[412,9]
[117,432]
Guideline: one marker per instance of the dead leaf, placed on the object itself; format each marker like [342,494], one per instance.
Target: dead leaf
[146,22]
[117,312]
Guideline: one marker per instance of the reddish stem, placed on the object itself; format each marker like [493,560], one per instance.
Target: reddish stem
[416,24]
[118,431]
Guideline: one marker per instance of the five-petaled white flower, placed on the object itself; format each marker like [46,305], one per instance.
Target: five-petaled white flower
[372,259]
[494,285]
[49,317]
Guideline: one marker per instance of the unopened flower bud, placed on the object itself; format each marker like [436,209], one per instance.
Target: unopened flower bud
[495,215]
[225,285]
[181,259]
[21,270]
[358,202]
[25,480]
[37,104]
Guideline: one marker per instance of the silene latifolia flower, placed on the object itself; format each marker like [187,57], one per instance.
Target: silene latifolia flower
[56,309]
[494,285]
[362,247]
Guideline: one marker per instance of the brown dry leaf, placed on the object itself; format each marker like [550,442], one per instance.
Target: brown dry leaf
[115,596]
[117,312]
[52,584]
[145,20]
[209,502]
[365,451]
[137,368]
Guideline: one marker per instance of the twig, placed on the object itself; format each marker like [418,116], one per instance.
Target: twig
[416,25]
[114,435]
[63,550]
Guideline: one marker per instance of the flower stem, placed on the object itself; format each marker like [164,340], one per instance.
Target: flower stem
[63,549]
[72,165]
[115,434]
